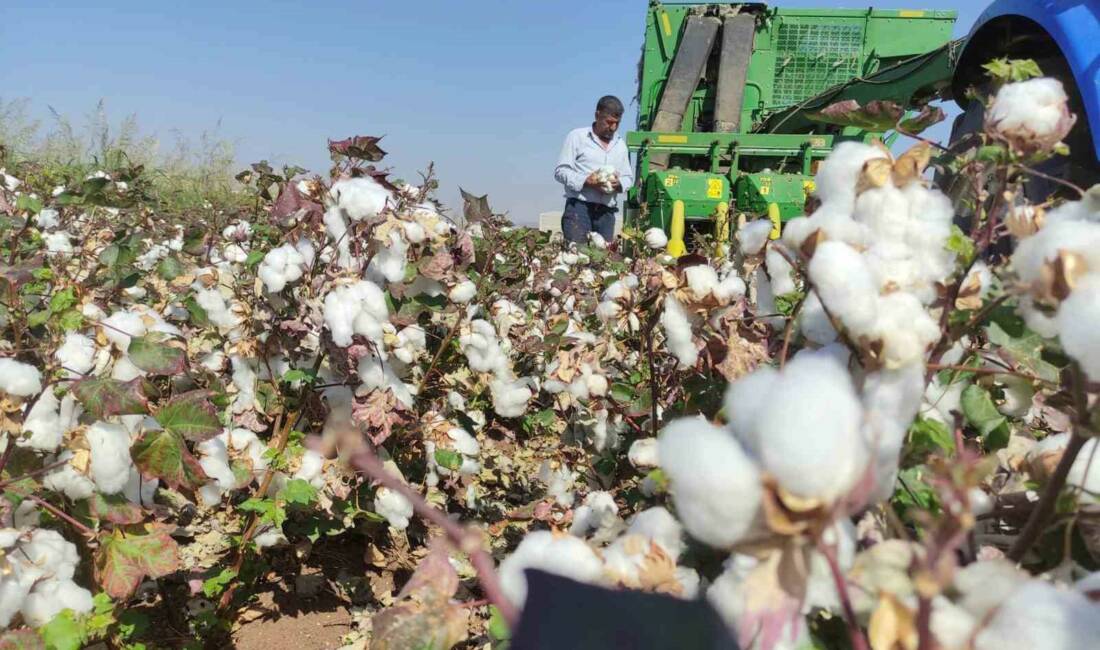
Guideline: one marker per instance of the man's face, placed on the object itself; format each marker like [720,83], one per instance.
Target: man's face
[606,125]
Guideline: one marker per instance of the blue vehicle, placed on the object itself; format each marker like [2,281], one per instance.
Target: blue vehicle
[1063,37]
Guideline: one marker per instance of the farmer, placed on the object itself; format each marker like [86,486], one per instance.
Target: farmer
[590,202]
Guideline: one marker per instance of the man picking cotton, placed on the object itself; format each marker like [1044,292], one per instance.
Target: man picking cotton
[594,167]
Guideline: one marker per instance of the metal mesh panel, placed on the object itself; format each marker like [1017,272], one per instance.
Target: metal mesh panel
[813,57]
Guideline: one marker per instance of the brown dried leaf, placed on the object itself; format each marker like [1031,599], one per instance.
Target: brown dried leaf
[910,165]
[876,172]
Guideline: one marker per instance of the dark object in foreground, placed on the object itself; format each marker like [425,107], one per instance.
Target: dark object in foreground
[562,613]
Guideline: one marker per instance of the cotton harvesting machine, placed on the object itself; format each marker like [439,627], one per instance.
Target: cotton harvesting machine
[730,99]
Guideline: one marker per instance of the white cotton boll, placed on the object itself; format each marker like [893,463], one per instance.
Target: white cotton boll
[376,373]
[271,537]
[745,400]
[702,280]
[361,198]
[885,212]
[425,286]
[598,512]
[337,228]
[1034,252]
[1039,616]
[836,177]
[464,443]
[814,322]
[388,264]
[765,300]
[1078,319]
[1085,471]
[559,483]
[715,486]
[217,311]
[1032,115]
[483,349]
[754,235]
[47,218]
[51,553]
[244,378]
[239,232]
[618,289]
[463,292]
[677,328]
[110,450]
[58,243]
[19,379]
[68,481]
[235,254]
[656,238]
[76,354]
[597,240]
[44,424]
[510,396]
[125,370]
[395,508]
[779,270]
[565,556]
[608,311]
[730,288]
[845,285]
[280,267]
[358,308]
[49,597]
[824,431]
[643,453]
[905,329]
[891,399]
[414,232]
[312,464]
[660,527]
[1037,320]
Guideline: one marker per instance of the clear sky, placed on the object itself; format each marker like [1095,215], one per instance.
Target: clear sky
[485,89]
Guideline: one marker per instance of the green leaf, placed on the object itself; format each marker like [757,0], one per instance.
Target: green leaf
[156,353]
[1008,70]
[63,632]
[190,415]
[37,318]
[199,317]
[62,300]
[164,455]
[659,480]
[170,268]
[132,623]
[785,303]
[623,393]
[253,260]
[497,627]
[298,492]
[71,320]
[103,396]
[28,203]
[961,245]
[1026,349]
[927,116]
[268,510]
[982,414]
[927,436]
[114,508]
[125,559]
[214,586]
[448,459]
[296,374]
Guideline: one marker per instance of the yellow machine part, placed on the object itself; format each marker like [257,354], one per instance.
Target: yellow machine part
[721,228]
[676,246]
[773,216]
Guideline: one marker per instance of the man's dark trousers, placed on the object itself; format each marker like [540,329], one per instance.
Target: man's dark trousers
[581,217]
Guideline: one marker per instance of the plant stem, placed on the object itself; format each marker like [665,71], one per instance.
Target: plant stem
[58,512]
[464,539]
[1039,516]
[859,641]
[789,329]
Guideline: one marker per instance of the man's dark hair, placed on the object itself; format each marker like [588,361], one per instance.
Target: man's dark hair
[610,105]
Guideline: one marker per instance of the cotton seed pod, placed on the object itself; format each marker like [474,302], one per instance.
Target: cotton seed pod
[1031,116]
[1059,276]
[1025,220]
[910,165]
[876,172]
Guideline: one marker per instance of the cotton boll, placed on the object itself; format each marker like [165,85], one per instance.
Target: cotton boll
[660,527]
[76,354]
[395,508]
[597,240]
[110,450]
[904,328]
[125,370]
[49,597]
[377,373]
[559,483]
[483,349]
[765,300]
[58,243]
[702,280]
[1077,321]
[1033,253]
[463,292]
[836,177]
[565,556]
[608,311]
[337,228]
[745,400]
[19,379]
[217,311]
[310,468]
[44,424]
[425,286]
[885,212]
[361,198]
[47,218]
[1085,471]
[358,308]
[795,444]
[1032,115]
[754,235]
[1039,616]
[844,283]
[891,399]
[270,537]
[715,486]
[388,264]
[677,328]
[66,480]
[656,238]
[414,232]
[280,267]
[779,270]
[643,453]
[814,322]
[598,512]
[730,288]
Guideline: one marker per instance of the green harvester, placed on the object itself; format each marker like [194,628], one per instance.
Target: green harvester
[727,95]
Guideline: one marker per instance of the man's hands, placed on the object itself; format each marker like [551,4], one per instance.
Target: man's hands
[594,181]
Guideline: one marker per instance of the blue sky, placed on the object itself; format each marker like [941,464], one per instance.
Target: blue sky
[484,89]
